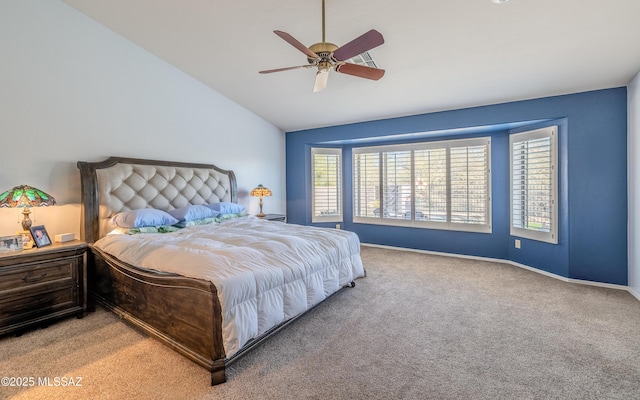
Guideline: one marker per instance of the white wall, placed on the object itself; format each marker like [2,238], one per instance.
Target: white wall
[633,95]
[73,90]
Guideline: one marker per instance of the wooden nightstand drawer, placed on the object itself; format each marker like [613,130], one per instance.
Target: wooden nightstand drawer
[17,309]
[24,276]
[40,285]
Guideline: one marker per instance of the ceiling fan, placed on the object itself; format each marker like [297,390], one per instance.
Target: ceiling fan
[325,56]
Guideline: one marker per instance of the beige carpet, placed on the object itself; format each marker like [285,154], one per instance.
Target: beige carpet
[417,327]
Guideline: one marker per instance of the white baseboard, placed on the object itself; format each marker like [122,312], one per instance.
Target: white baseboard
[515,264]
[634,293]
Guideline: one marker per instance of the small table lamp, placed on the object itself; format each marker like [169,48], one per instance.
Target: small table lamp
[26,196]
[260,191]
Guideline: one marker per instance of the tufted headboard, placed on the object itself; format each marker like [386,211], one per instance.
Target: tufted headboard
[122,184]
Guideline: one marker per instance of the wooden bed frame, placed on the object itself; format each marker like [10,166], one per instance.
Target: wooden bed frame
[183,313]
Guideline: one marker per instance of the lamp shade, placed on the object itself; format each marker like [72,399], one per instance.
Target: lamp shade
[26,196]
[260,191]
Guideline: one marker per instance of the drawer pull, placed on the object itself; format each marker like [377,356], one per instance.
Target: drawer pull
[32,280]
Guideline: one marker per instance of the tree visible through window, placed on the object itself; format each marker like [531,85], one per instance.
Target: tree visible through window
[327,184]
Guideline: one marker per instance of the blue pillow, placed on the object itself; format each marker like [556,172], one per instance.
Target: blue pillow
[226,207]
[191,212]
[142,217]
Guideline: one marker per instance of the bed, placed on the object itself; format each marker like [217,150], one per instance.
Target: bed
[211,290]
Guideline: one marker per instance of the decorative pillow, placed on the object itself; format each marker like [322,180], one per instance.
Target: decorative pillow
[192,212]
[142,217]
[193,222]
[226,207]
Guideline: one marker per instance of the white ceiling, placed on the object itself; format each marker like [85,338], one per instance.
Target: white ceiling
[438,55]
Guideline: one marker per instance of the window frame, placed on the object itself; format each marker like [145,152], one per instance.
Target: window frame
[339,183]
[552,133]
[446,225]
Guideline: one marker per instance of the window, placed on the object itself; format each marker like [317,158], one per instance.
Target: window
[442,185]
[326,175]
[534,184]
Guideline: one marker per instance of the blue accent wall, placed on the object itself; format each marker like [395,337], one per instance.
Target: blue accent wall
[592,144]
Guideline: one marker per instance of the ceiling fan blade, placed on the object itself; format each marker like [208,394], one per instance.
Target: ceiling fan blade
[321,81]
[359,45]
[284,69]
[360,71]
[295,43]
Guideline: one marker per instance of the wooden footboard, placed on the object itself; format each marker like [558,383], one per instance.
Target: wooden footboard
[182,313]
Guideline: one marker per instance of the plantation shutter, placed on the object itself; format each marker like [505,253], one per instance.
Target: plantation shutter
[469,188]
[534,185]
[327,185]
[430,169]
[366,181]
[396,184]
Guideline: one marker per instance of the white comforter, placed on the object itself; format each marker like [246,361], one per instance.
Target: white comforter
[265,272]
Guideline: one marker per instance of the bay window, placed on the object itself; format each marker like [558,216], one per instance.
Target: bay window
[441,185]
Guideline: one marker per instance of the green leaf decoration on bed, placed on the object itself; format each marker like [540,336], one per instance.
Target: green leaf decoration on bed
[25,195]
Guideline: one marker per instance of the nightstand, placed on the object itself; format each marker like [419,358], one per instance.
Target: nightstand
[42,284]
[276,217]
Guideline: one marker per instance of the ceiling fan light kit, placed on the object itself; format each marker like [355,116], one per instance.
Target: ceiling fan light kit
[326,56]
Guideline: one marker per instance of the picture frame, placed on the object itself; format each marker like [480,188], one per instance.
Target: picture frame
[27,239]
[10,243]
[40,236]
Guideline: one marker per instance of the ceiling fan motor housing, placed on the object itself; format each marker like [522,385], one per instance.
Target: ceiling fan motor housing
[324,50]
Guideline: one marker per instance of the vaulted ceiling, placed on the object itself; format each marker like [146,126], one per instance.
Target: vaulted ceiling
[438,55]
